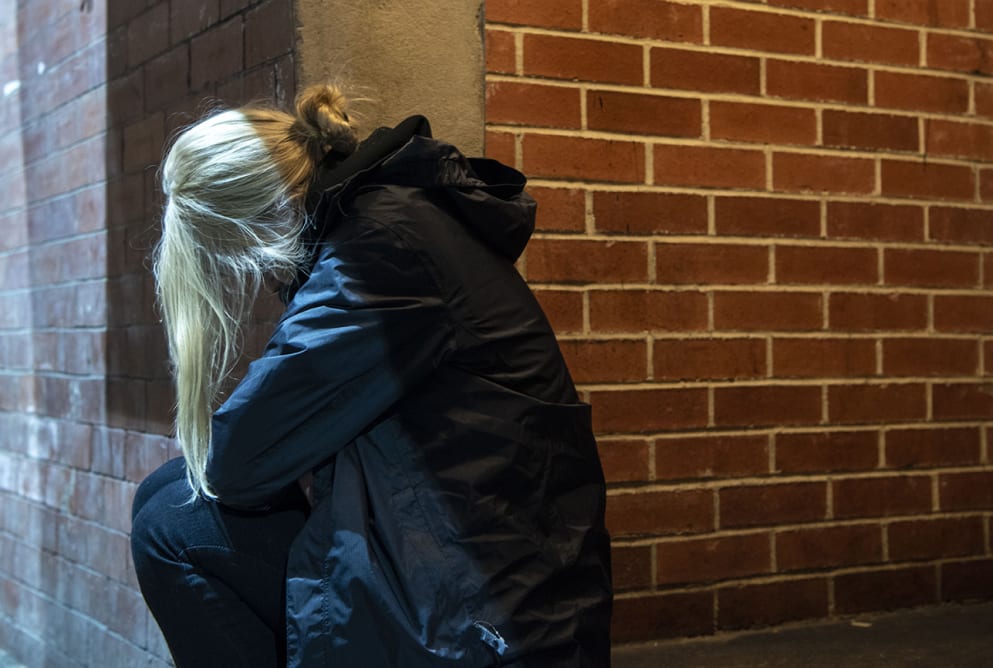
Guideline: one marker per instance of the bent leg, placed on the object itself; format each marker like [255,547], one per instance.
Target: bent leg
[212,577]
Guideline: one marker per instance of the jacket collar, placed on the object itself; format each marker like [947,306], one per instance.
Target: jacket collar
[335,176]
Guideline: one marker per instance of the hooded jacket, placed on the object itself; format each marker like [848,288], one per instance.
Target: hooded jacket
[458,497]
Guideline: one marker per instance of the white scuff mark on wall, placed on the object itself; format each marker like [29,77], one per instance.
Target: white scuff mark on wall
[11,87]
[41,67]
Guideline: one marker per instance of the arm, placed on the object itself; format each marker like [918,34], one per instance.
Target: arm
[367,326]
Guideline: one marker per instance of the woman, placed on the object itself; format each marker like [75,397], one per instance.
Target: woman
[455,510]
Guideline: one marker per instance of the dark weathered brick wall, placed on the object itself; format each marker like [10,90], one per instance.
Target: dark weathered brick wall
[92,92]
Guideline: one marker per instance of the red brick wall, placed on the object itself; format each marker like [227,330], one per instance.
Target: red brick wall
[763,239]
[84,391]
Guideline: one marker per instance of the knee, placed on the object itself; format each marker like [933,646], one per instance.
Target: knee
[160,518]
[165,475]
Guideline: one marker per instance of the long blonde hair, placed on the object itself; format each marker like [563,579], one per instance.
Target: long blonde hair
[235,185]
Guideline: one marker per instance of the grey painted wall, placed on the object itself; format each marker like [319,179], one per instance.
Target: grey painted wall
[407,56]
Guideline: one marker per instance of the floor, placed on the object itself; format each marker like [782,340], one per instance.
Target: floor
[954,636]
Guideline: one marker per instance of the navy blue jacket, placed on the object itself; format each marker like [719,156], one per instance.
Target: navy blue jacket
[458,496]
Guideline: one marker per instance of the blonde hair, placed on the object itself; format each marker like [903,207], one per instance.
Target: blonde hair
[235,185]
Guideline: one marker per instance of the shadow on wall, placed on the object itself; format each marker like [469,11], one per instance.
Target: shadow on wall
[167,66]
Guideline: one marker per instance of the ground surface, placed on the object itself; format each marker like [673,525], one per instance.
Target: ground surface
[958,636]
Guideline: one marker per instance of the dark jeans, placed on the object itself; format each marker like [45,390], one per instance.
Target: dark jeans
[212,576]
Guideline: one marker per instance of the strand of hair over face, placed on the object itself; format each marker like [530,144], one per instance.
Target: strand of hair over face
[235,183]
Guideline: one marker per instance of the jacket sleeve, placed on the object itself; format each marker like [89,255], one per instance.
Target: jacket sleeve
[367,326]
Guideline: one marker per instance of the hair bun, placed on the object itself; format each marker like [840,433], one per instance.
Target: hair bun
[322,119]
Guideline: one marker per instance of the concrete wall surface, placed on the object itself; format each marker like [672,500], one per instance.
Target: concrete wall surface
[407,56]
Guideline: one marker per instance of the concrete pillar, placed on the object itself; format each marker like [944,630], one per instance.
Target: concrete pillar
[408,56]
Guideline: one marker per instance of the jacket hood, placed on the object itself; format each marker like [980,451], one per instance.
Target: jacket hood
[488,195]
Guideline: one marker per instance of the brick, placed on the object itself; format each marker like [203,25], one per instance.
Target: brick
[143,454]
[165,78]
[955,225]
[936,538]
[870,131]
[984,99]
[853,7]
[767,405]
[986,184]
[560,209]
[930,357]
[761,31]
[696,359]
[884,590]
[500,51]
[875,222]
[189,17]
[822,173]
[638,411]
[869,43]
[229,7]
[762,123]
[713,559]
[959,313]
[643,114]
[666,512]
[966,491]
[662,616]
[854,404]
[683,263]
[216,54]
[764,311]
[631,567]
[269,31]
[810,81]
[877,312]
[667,21]
[882,497]
[708,166]
[931,268]
[762,505]
[822,264]
[532,104]
[582,59]
[767,216]
[702,71]
[606,361]
[148,34]
[567,14]
[624,461]
[649,213]
[772,603]
[967,580]
[973,55]
[586,261]
[711,457]
[817,452]
[645,310]
[117,14]
[823,358]
[143,141]
[828,547]
[943,14]
[968,140]
[909,448]
[556,157]
[501,146]
[921,93]
[984,14]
